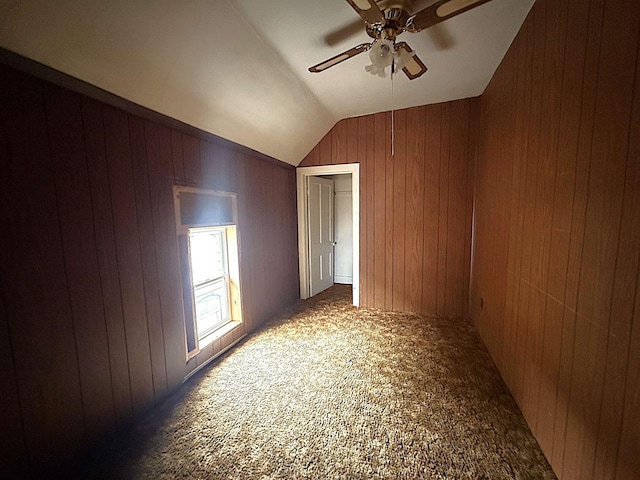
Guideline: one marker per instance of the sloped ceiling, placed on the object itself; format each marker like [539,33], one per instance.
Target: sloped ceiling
[238,68]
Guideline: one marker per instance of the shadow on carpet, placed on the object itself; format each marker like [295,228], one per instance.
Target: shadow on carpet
[328,390]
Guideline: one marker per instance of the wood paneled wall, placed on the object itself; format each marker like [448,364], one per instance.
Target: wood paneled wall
[91,326]
[415,207]
[557,232]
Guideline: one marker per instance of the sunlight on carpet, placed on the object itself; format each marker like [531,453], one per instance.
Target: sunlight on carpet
[328,390]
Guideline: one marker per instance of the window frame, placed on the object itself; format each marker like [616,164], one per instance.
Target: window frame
[231,240]
[201,335]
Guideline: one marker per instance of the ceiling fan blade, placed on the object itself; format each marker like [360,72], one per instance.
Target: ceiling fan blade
[343,33]
[368,10]
[321,67]
[441,37]
[414,67]
[440,11]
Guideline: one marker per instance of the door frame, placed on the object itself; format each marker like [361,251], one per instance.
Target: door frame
[302,174]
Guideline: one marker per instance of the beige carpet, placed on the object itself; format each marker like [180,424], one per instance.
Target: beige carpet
[328,390]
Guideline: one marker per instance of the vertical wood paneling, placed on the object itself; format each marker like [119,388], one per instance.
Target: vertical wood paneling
[276,226]
[339,143]
[381,216]
[13,451]
[399,206]
[269,201]
[228,175]
[415,196]
[369,178]
[125,221]
[628,454]
[191,158]
[431,207]
[245,219]
[474,127]
[459,153]
[294,280]
[91,312]
[257,274]
[514,57]
[587,112]
[622,310]
[409,260]
[550,311]
[64,123]
[326,149]
[564,339]
[160,161]
[107,260]
[533,300]
[553,388]
[316,156]
[178,162]
[364,212]
[527,170]
[36,298]
[148,256]
[352,141]
[622,381]
[602,227]
[388,198]
[309,160]
[443,209]
[261,247]
[210,164]
[244,235]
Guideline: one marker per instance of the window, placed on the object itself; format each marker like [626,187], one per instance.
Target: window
[208,248]
[209,277]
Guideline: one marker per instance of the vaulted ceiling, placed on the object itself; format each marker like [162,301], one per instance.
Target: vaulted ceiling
[238,68]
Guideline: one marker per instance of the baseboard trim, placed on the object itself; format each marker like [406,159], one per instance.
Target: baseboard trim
[212,358]
[343,279]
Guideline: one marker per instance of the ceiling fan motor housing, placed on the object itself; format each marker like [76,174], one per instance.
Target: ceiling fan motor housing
[395,14]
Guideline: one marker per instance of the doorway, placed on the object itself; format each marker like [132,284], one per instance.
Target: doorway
[343,228]
[303,175]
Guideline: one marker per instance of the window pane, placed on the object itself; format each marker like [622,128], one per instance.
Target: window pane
[211,306]
[210,285]
[207,256]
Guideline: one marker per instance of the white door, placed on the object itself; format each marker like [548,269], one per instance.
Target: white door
[321,238]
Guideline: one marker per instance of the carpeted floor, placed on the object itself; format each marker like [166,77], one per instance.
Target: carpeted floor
[328,390]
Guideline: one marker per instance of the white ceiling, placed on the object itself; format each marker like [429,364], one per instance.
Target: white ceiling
[238,68]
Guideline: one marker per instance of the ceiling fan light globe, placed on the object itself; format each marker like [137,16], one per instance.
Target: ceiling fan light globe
[373,70]
[401,57]
[381,56]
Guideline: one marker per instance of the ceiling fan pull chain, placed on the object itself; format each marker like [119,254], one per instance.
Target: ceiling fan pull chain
[393,132]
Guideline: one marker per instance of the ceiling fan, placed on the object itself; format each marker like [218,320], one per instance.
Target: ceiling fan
[385,22]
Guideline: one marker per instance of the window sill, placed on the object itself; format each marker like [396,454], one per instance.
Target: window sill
[216,334]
